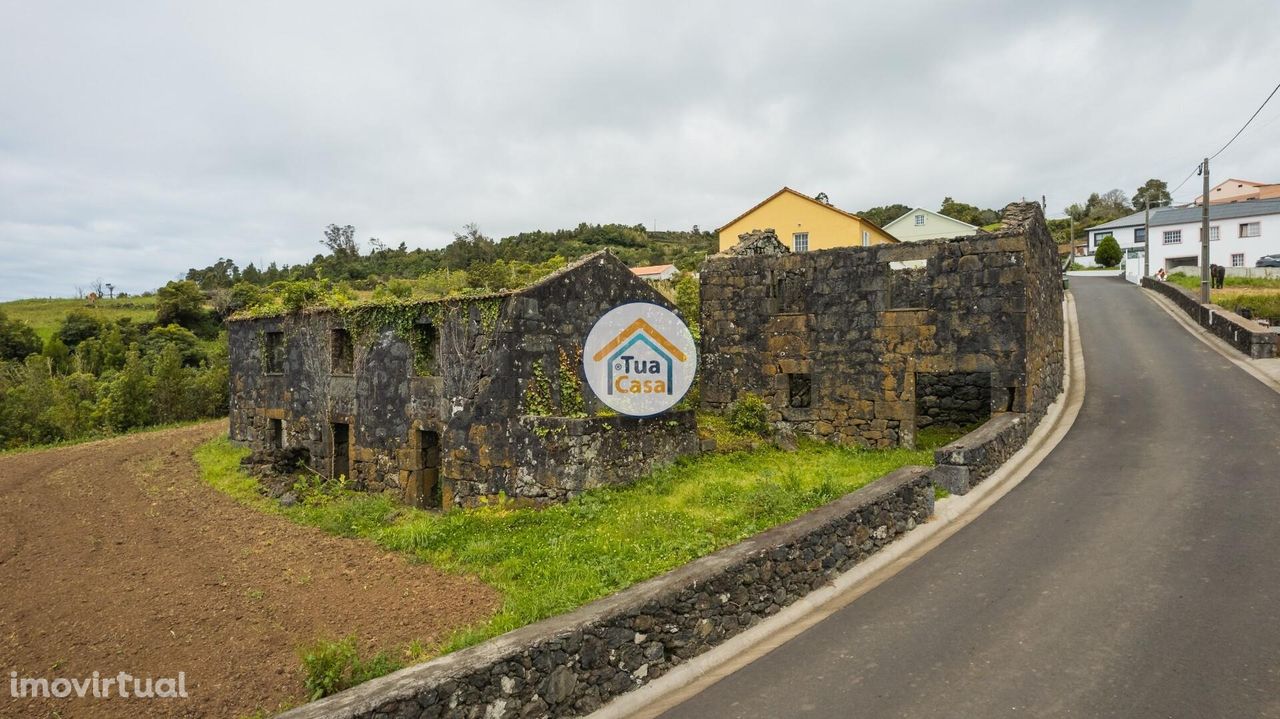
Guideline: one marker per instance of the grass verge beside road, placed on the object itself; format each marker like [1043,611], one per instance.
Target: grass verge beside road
[549,561]
[1258,294]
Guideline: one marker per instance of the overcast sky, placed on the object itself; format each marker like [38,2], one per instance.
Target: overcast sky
[140,139]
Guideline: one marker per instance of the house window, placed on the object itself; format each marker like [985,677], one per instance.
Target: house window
[919,220]
[1215,233]
[866,238]
[1237,259]
[1173,237]
[342,352]
[273,352]
[1250,229]
[800,242]
[1139,235]
[800,389]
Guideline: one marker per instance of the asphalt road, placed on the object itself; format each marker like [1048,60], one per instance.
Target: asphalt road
[1134,573]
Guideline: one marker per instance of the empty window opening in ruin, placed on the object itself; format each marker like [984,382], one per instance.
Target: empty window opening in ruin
[909,285]
[273,352]
[275,433]
[341,432]
[1011,397]
[424,480]
[958,400]
[424,340]
[800,389]
[342,352]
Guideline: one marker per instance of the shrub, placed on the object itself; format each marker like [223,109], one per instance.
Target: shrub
[125,400]
[78,327]
[1109,253]
[160,339]
[17,339]
[180,303]
[749,415]
[687,299]
[329,667]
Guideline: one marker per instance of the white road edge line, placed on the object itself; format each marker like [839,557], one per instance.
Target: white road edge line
[1215,343]
[950,515]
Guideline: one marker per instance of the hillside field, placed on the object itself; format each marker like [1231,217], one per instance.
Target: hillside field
[45,314]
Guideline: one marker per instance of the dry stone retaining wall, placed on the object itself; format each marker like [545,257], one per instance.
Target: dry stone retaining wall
[1249,337]
[571,665]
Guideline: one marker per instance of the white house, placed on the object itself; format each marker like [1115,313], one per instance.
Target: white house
[1239,233]
[921,224]
[1128,231]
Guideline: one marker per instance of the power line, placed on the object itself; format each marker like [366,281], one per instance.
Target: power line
[1246,124]
[1200,166]
[1184,181]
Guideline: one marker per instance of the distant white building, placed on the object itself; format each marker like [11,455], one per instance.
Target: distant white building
[1239,234]
[921,224]
[1129,231]
[655,272]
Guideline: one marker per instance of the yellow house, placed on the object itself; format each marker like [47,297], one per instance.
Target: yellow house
[804,224]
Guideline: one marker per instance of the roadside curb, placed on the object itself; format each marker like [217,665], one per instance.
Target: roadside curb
[950,515]
[1255,368]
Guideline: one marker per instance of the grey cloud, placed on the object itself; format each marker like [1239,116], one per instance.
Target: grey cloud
[138,141]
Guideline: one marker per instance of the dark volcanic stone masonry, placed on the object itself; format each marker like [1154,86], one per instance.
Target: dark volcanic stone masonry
[480,402]
[836,341]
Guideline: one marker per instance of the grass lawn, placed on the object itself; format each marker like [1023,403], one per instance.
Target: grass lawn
[549,561]
[45,314]
[1262,295]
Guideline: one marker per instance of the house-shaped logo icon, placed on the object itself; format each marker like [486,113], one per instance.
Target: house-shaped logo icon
[640,359]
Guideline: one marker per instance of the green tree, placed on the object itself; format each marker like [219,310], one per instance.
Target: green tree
[182,303]
[688,292]
[170,381]
[115,345]
[17,339]
[883,215]
[77,327]
[244,295]
[1108,253]
[1155,192]
[341,241]
[968,213]
[160,339]
[57,353]
[124,401]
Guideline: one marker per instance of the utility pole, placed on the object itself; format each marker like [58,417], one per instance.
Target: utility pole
[1146,241]
[1204,235]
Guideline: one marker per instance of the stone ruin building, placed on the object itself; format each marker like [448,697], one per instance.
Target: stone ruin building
[868,345]
[453,401]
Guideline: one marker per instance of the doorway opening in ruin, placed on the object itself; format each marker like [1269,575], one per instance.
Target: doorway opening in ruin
[341,450]
[952,399]
[426,488]
[275,433]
